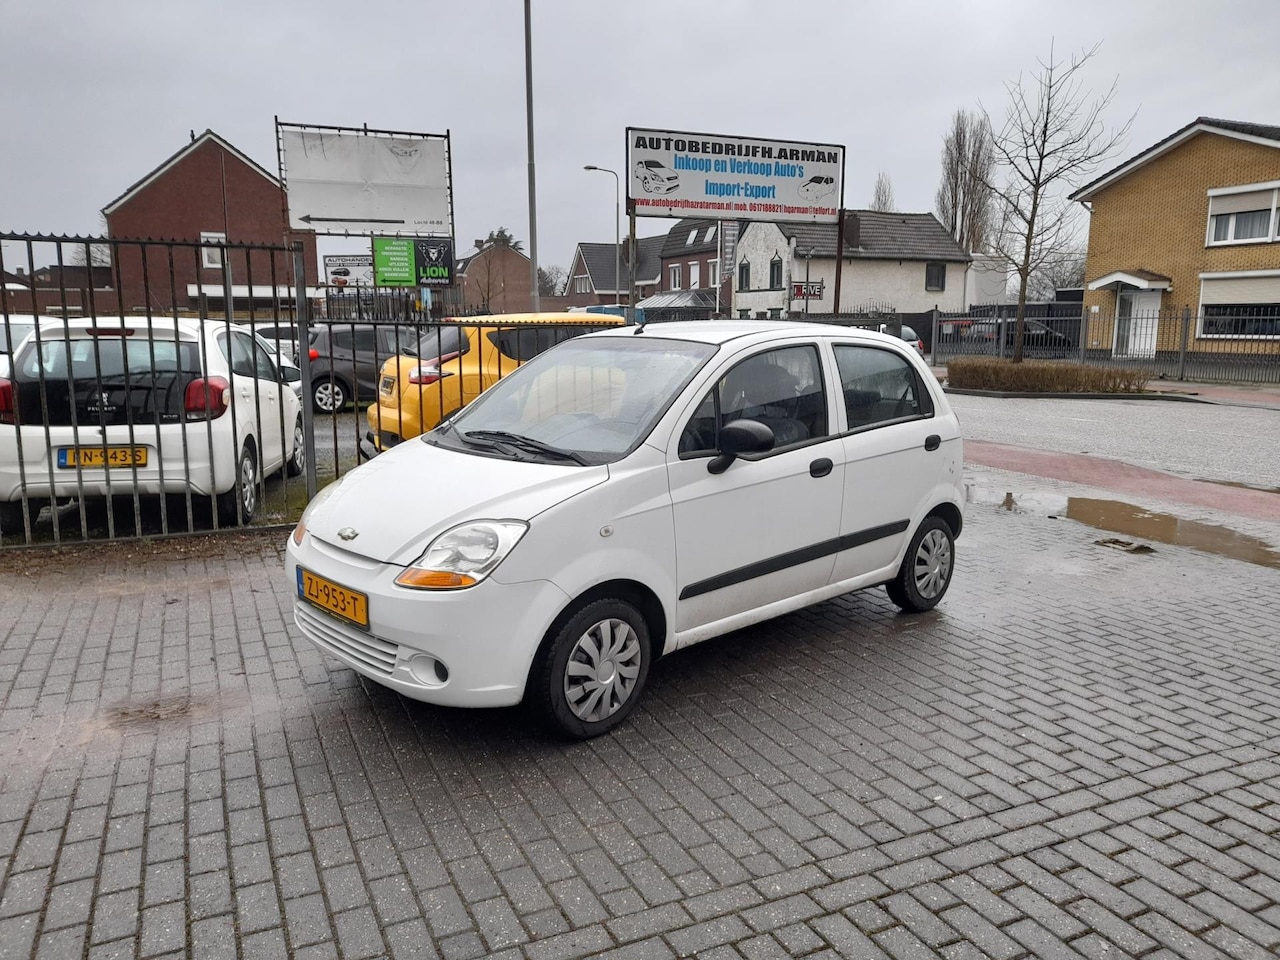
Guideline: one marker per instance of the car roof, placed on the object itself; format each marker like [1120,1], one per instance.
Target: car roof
[723,331]
[504,319]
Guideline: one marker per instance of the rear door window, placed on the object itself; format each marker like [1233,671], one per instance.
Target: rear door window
[879,386]
[442,341]
[525,343]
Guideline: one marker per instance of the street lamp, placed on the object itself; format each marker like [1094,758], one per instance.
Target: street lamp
[617,229]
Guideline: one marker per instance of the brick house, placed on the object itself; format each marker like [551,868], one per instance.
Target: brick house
[208,193]
[903,262]
[1189,223]
[690,260]
[492,278]
[591,281]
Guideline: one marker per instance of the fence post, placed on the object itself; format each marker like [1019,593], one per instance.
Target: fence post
[933,336]
[1000,329]
[302,308]
[1084,334]
[1182,343]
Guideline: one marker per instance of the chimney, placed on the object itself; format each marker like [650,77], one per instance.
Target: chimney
[852,231]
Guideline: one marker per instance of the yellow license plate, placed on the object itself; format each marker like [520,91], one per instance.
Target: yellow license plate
[102,457]
[342,602]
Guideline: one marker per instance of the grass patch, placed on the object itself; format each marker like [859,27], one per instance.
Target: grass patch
[1042,376]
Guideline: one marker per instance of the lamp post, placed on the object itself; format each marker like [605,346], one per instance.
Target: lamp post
[617,229]
[534,294]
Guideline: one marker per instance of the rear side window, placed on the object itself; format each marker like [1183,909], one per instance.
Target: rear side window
[879,386]
[442,341]
[525,343]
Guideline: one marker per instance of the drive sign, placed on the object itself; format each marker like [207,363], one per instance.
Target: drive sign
[706,175]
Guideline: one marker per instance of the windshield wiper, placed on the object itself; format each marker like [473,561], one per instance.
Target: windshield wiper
[528,443]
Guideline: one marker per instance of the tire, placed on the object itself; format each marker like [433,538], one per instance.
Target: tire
[329,395]
[240,503]
[298,461]
[11,517]
[570,703]
[926,570]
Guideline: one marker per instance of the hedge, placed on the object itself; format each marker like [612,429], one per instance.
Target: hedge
[1042,376]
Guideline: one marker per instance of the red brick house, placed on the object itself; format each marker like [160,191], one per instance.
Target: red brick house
[591,280]
[206,194]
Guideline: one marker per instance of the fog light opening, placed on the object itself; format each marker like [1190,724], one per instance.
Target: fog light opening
[428,670]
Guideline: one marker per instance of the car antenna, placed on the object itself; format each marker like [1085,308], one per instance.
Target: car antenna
[639,327]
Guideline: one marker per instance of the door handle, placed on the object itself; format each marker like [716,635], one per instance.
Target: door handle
[932,442]
[820,468]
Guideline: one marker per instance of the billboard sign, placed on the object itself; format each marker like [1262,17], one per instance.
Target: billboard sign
[706,175]
[409,262]
[349,271]
[341,181]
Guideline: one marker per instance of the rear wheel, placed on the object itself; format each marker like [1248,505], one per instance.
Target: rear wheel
[239,503]
[298,459]
[926,569]
[329,395]
[588,679]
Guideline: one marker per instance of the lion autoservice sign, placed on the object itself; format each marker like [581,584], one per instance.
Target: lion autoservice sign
[673,174]
[412,262]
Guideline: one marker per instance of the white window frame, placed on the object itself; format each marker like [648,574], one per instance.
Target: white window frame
[713,272]
[1230,275]
[582,284]
[1272,234]
[935,263]
[674,277]
[211,255]
[693,235]
[695,279]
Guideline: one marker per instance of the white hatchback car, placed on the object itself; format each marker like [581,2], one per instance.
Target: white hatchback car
[101,408]
[626,494]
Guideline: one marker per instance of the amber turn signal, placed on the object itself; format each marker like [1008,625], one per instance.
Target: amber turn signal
[434,579]
[299,532]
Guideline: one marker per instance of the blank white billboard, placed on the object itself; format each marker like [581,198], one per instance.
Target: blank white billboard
[342,181]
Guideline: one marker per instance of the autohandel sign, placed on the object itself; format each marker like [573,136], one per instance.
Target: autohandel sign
[412,262]
[349,271]
[733,178]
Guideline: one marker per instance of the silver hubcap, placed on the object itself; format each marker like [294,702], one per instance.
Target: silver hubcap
[602,670]
[248,486]
[328,397]
[299,445]
[933,564]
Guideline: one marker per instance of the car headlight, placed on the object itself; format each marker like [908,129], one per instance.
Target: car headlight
[464,555]
[300,530]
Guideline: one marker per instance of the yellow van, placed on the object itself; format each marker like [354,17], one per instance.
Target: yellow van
[458,359]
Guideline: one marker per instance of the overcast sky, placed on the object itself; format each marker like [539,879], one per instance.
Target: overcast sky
[94,95]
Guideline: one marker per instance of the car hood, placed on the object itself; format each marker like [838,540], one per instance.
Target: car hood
[398,502]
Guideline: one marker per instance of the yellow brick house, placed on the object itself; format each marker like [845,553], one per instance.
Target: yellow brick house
[1189,226]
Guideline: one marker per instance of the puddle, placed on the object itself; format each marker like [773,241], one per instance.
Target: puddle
[1126,518]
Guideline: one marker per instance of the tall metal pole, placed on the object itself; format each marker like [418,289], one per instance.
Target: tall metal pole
[807,257]
[536,298]
[631,264]
[839,259]
[617,231]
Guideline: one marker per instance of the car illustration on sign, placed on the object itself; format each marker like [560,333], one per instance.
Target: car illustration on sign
[656,178]
[815,188]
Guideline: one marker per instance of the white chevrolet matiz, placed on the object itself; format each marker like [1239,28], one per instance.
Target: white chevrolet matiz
[626,494]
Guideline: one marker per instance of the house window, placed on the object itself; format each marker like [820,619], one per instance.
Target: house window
[775,274]
[744,314]
[775,313]
[211,255]
[695,281]
[935,276]
[713,273]
[673,277]
[744,275]
[1241,320]
[1241,215]
[693,235]
[711,234]
[581,284]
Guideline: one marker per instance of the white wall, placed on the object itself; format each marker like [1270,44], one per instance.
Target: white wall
[759,244]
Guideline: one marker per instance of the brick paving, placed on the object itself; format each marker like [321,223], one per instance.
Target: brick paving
[1077,755]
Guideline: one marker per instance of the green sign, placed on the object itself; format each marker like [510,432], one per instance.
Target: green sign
[421,262]
[393,263]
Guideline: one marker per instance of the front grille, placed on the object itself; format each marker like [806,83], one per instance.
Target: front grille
[364,648]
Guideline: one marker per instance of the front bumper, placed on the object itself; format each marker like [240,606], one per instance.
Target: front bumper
[465,648]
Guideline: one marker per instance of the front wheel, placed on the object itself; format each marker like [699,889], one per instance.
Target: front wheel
[588,678]
[926,569]
[239,503]
[297,461]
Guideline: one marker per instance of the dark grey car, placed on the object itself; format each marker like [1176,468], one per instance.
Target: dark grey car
[346,359]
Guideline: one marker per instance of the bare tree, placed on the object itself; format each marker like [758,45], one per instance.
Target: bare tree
[882,197]
[551,281]
[963,200]
[1062,270]
[1053,137]
[93,254]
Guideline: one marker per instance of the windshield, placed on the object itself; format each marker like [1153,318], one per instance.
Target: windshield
[594,399]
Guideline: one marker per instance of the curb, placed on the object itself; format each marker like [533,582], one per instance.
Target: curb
[1028,395]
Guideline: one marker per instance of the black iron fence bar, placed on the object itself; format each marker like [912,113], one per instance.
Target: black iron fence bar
[184,432]
[302,316]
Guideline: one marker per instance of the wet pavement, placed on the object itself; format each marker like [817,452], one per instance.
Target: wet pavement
[1076,754]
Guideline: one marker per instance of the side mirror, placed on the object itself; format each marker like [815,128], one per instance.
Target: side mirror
[290,374]
[739,437]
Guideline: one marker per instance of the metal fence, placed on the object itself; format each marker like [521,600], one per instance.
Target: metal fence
[1233,344]
[180,388]
[146,388]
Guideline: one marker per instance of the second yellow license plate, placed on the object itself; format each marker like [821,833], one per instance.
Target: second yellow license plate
[342,602]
